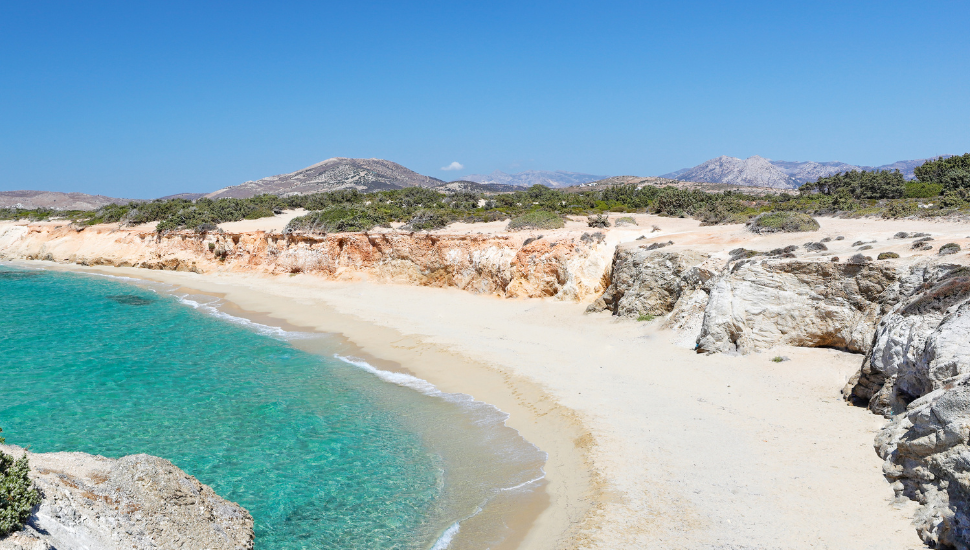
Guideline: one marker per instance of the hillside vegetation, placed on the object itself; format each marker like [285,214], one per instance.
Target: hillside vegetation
[942,188]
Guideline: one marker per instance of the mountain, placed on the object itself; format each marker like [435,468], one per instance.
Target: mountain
[529,178]
[753,171]
[474,187]
[365,175]
[788,174]
[55,200]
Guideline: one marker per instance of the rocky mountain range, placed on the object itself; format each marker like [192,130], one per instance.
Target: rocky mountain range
[558,178]
[55,200]
[779,174]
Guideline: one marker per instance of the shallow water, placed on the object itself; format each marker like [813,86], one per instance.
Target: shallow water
[325,452]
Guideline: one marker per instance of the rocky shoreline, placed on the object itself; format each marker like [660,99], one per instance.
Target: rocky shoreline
[137,501]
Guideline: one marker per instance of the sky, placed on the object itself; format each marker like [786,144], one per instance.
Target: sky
[144,99]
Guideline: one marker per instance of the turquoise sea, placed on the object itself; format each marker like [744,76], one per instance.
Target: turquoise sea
[324,451]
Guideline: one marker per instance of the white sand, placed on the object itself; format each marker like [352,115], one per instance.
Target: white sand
[689,451]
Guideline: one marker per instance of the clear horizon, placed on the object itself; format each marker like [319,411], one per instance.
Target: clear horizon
[144,101]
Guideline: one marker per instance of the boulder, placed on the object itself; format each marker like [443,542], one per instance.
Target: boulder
[758,304]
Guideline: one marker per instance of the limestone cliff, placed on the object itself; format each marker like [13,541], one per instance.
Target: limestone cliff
[507,265]
[134,502]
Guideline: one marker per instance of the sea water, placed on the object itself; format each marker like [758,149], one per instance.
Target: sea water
[324,451]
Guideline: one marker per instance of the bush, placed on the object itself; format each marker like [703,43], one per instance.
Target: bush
[783,222]
[598,220]
[537,219]
[671,201]
[17,493]
[949,248]
[339,219]
[645,317]
[922,190]
[900,209]
[625,220]
[887,256]
[952,199]
[426,220]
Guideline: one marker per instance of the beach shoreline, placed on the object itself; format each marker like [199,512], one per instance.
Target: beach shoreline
[549,517]
[660,452]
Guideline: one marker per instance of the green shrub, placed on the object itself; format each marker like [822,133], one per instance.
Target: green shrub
[777,359]
[625,220]
[426,220]
[339,219]
[900,209]
[537,219]
[887,256]
[17,493]
[949,248]
[783,222]
[598,220]
[645,317]
[952,199]
[922,190]
[948,171]
[671,201]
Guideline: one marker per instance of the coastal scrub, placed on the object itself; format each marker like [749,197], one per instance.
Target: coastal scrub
[17,493]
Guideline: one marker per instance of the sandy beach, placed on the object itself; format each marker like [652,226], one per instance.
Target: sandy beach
[650,445]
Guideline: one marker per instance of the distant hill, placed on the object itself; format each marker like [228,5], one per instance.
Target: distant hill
[55,200]
[753,171]
[186,196]
[529,178]
[365,175]
[639,182]
[475,187]
[778,174]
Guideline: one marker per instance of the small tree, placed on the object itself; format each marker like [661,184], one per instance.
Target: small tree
[17,493]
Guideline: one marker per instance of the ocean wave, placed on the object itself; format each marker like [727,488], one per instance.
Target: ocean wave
[210,308]
[482,414]
[444,541]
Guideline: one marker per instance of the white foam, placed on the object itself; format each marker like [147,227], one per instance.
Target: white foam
[210,308]
[485,413]
[445,539]
[525,483]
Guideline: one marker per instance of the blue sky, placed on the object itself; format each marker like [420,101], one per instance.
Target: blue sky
[143,99]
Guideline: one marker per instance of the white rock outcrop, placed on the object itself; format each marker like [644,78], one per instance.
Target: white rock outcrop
[757,304]
[134,502]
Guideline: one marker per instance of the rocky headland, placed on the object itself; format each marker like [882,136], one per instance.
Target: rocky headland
[136,501]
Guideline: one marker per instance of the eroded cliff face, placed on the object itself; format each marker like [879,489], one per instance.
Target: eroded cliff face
[757,304]
[137,501]
[564,268]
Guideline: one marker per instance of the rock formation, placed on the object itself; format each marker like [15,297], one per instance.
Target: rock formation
[757,304]
[134,502]
[645,282]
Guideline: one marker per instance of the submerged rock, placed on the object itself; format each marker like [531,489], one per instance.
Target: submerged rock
[134,502]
